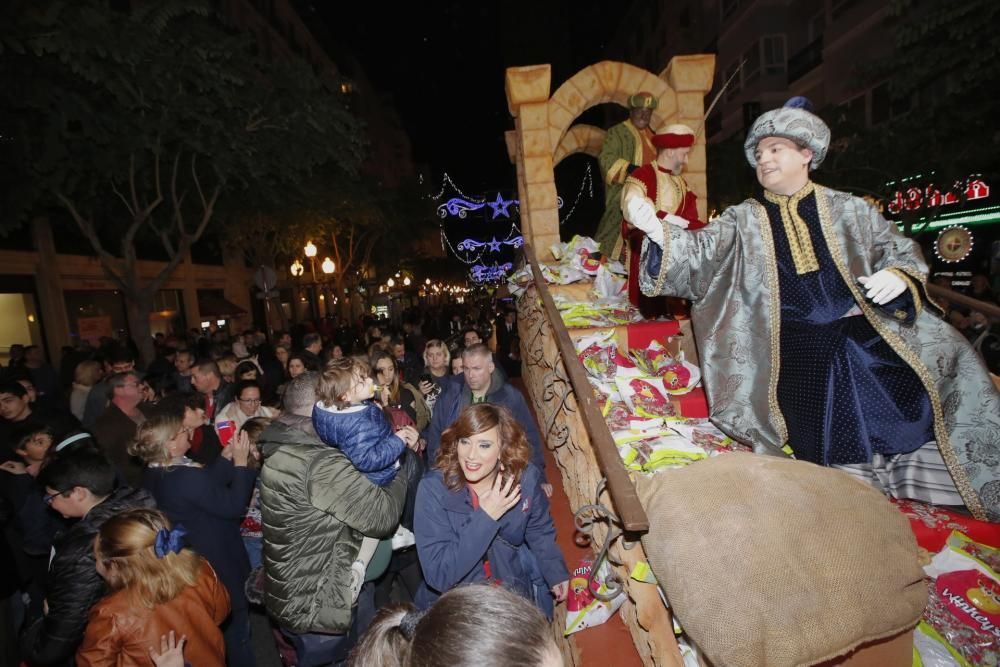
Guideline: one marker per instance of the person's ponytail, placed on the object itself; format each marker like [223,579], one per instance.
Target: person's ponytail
[387,641]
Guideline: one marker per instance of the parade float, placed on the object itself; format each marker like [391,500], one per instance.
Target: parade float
[757,559]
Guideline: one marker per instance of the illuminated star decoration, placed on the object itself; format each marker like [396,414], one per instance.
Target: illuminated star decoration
[500,205]
[494,245]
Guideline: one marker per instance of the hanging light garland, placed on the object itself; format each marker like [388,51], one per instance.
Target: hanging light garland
[472,251]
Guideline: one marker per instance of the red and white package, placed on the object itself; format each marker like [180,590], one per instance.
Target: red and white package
[961,624]
[583,609]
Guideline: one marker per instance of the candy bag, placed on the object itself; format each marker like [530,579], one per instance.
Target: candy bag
[961,624]
[583,610]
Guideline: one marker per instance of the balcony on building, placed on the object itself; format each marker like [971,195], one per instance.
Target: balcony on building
[806,60]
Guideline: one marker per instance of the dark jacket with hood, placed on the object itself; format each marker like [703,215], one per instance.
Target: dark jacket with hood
[316,507]
[73,585]
[457,396]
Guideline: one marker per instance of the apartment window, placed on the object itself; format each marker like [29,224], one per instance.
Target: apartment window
[734,87]
[751,65]
[852,112]
[751,110]
[817,26]
[841,6]
[773,54]
[881,107]
[729,8]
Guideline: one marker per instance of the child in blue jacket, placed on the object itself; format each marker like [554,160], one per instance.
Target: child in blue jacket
[346,418]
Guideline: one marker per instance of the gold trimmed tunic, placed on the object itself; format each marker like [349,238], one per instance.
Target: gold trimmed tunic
[729,272]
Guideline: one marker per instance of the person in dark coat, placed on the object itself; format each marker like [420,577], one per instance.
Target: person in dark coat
[481,384]
[210,502]
[116,428]
[482,515]
[79,485]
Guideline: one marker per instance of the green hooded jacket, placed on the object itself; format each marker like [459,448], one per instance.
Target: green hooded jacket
[316,507]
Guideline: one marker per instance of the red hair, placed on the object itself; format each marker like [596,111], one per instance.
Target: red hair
[515,452]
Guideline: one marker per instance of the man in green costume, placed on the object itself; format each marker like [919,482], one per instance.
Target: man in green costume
[628,146]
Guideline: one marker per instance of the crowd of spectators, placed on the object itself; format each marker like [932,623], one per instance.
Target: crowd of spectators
[316,477]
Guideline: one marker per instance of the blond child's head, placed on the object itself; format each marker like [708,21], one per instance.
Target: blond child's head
[343,382]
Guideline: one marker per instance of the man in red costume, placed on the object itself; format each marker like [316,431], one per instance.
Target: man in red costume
[658,189]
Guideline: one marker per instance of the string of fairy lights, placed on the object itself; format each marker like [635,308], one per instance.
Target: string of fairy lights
[473,252]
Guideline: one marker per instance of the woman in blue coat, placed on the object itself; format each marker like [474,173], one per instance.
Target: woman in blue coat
[210,502]
[481,514]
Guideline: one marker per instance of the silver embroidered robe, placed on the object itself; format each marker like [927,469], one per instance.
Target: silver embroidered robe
[728,270]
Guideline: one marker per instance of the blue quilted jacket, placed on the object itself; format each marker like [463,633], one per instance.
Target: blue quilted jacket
[365,435]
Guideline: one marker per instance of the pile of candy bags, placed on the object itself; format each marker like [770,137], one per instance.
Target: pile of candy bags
[633,389]
[579,260]
[961,624]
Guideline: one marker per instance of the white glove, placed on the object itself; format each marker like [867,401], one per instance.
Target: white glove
[638,208]
[651,226]
[883,286]
[677,221]
[640,212]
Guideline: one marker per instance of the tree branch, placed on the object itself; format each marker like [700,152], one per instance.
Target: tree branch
[146,212]
[131,181]
[87,228]
[197,181]
[185,242]
[178,202]
[114,188]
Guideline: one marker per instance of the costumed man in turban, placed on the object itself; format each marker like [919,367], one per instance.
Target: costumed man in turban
[658,190]
[817,336]
[627,146]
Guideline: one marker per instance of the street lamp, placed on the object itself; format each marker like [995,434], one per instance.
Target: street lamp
[297,269]
[390,282]
[310,251]
[406,281]
[328,267]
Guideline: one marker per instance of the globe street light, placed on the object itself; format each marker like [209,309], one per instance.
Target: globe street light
[328,266]
[297,269]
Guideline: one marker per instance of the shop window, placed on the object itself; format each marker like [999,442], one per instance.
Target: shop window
[95,314]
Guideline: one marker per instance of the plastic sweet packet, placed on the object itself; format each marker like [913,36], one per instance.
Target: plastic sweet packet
[583,610]
[647,397]
[609,286]
[961,623]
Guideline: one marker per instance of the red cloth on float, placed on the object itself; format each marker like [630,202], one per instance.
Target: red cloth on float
[932,525]
[653,307]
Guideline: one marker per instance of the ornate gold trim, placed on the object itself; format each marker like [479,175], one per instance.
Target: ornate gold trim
[774,316]
[632,180]
[641,139]
[617,172]
[969,495]
[920,280]
[661,277]
[918,303]
[668,183]
[796,229]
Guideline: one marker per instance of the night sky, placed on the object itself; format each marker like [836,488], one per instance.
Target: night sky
[442,62]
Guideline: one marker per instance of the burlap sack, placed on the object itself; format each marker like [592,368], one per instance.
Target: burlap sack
[770,562]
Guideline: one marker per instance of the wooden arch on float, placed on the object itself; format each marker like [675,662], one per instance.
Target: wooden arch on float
[544,133]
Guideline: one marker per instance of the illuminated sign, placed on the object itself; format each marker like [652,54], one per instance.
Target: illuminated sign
[915,198]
